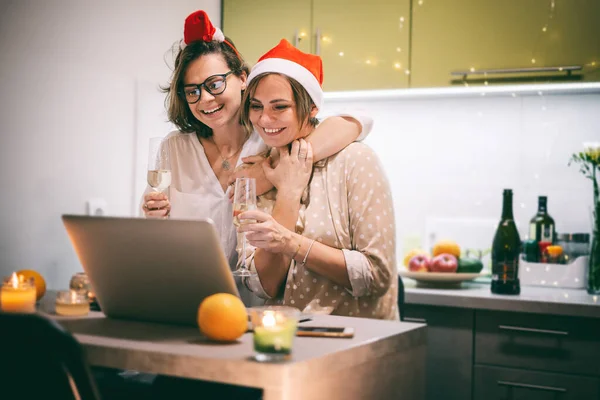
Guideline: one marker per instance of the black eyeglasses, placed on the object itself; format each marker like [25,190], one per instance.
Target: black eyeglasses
[215,84]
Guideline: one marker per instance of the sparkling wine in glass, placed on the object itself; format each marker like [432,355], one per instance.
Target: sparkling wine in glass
[159,166]
[244,199]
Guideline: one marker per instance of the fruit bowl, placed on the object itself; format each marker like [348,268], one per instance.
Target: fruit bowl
[440,278]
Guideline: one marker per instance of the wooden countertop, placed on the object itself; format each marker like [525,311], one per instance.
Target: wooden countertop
[384,357]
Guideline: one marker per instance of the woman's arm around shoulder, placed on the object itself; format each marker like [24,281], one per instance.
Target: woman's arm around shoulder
[337,132]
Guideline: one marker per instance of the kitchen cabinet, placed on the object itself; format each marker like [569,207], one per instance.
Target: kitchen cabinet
[364,45]
[524,355]
[449,349]
[384,44]
[488,34]
[484,354]
[258,25]
[497,383]
[540,342]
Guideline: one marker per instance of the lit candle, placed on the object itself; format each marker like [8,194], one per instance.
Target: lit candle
[71,303]
[274,331]
[17,295]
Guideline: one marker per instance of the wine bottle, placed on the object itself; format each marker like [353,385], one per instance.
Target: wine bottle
[541,226]
[505,251]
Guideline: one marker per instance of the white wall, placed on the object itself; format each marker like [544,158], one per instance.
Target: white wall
[73,74]
[448,158]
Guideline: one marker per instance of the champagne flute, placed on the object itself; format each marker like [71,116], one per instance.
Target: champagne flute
[244,199]
[159,166]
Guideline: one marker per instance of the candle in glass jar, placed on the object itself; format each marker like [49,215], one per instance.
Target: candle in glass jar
[274,330]
[17,295]
[71,303]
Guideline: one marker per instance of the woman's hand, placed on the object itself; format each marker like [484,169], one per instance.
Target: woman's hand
[156,205]
[293,172]
[263,232]
[252,168]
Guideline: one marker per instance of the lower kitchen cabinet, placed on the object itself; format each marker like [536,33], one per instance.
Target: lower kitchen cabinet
[475,354]
[498,383]
[538,342]
[449,349]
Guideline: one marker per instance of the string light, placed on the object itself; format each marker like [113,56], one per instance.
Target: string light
[544,29]
[341,54]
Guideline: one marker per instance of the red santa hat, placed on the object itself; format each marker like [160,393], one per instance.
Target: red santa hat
[199,28]
[285,59]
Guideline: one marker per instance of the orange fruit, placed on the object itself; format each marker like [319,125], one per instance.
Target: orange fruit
[38,281]
[411,254]
[222,317]
[446,246]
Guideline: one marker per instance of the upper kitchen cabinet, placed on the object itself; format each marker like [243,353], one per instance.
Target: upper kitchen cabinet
[255,26]
[475,35]
[364,45]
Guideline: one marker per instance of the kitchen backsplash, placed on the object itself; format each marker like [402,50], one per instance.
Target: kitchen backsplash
[449,157]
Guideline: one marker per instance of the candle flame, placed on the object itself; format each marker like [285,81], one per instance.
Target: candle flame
[268,319]
[14,280]
[73,296]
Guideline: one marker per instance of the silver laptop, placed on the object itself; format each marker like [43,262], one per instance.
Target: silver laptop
[149,269]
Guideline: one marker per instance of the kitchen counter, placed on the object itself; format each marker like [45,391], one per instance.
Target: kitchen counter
[384,359]
[533,299]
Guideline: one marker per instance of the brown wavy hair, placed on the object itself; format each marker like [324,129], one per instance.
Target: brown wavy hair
[178,110]
[302,100]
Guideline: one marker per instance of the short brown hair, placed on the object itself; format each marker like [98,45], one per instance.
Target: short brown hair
[302,100]
[178,110]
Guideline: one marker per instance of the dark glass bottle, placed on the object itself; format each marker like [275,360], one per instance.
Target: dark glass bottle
[541,226]
[505,251]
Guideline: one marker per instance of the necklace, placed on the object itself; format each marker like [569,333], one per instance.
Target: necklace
[225,164]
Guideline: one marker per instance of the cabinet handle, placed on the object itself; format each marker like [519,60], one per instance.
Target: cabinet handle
[318,42]
[528,386]
[296,38]
[418,320]
[532,330]
[533,70]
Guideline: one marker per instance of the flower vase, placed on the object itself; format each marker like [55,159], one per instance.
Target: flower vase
[593,281]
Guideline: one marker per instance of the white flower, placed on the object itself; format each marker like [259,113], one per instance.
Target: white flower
[592,149]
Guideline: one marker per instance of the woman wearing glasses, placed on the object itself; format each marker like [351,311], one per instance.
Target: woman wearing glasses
[203,101]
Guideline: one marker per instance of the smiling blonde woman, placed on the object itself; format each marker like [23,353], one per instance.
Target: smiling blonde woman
[323,240]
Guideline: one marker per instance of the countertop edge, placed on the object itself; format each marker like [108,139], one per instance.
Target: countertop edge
[487,301]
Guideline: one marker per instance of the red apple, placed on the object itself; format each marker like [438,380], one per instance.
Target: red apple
[444,263]
[419,263]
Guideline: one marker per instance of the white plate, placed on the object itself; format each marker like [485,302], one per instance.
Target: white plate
[439,277]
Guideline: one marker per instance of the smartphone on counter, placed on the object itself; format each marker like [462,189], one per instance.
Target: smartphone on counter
[325,331]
